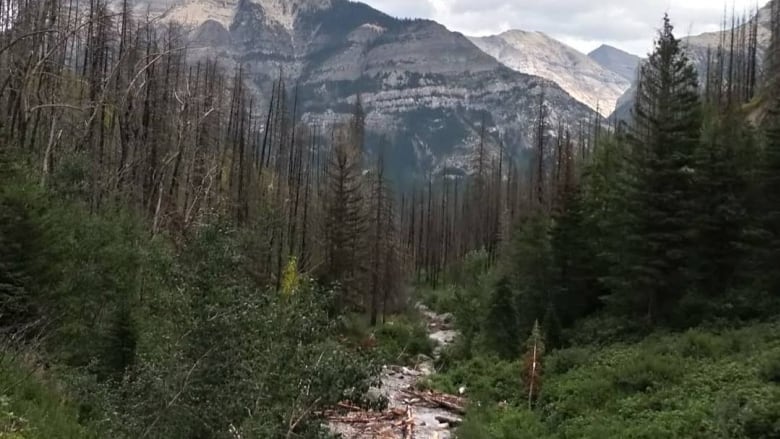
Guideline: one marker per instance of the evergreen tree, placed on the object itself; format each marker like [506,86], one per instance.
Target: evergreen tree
[770,169]
[502,326]
[720,211]
[667,123]
[529,266]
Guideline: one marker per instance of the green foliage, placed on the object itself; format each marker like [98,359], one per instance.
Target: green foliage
[502,423]
[667,124]
[441,300]
[487,380]
[700,384]
[646,372]
[529,263]
[770,368]
[402,339]
[21,240]
[30,408]
[502,329]
[471,269]
[162,342]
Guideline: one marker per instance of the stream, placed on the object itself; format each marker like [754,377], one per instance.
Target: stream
[429,422]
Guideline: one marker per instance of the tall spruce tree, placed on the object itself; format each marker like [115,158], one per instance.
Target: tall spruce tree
[502,326]
[666,131]
[720,210]
[770,169]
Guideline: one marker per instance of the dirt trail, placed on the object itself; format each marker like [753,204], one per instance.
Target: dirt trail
[410,414]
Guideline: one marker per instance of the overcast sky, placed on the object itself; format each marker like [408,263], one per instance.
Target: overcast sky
[584,24]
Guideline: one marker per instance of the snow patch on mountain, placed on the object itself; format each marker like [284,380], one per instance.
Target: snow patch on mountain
[538,54]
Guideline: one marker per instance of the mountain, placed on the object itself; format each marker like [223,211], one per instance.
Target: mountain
[613,59]
[425,90]
[538,54]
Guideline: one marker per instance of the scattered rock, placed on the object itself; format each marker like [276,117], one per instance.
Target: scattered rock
[452,422]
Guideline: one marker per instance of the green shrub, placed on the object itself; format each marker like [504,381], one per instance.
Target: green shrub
[402,339]
[770,367]
[31,409]
[486,379]
[562,361]
[647,371]
[441,300]
[604,330]
[699,344]
[502,423]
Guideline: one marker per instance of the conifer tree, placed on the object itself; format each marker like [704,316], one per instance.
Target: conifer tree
[344,222]
[667,123]
[502,326]
[770,169]
[720,213]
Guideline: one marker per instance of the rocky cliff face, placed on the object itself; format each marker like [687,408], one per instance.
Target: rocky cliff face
[537,54]
[425,89]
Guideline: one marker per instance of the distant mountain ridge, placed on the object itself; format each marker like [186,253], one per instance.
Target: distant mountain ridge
[536,53]
[425,89]
[621,62]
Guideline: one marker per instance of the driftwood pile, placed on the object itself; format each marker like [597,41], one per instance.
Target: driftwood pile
[396,423]
[451,403]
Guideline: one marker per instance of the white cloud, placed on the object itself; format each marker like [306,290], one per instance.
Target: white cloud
[584,24]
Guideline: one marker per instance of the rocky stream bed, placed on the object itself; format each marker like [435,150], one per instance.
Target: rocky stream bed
[411,414]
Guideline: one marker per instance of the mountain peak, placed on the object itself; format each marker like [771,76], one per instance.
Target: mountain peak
[538,54]
[616,60]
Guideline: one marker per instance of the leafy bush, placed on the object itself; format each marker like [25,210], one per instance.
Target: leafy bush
[441,300]
[770,367]
[699,384]
[699,344]
[646,372]
[486,379]
[31,409]
[562,361]
[502,423]
[603,330]
[403,339]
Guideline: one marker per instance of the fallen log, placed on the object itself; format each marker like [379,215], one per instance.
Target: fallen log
[409,423]
[450,403]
